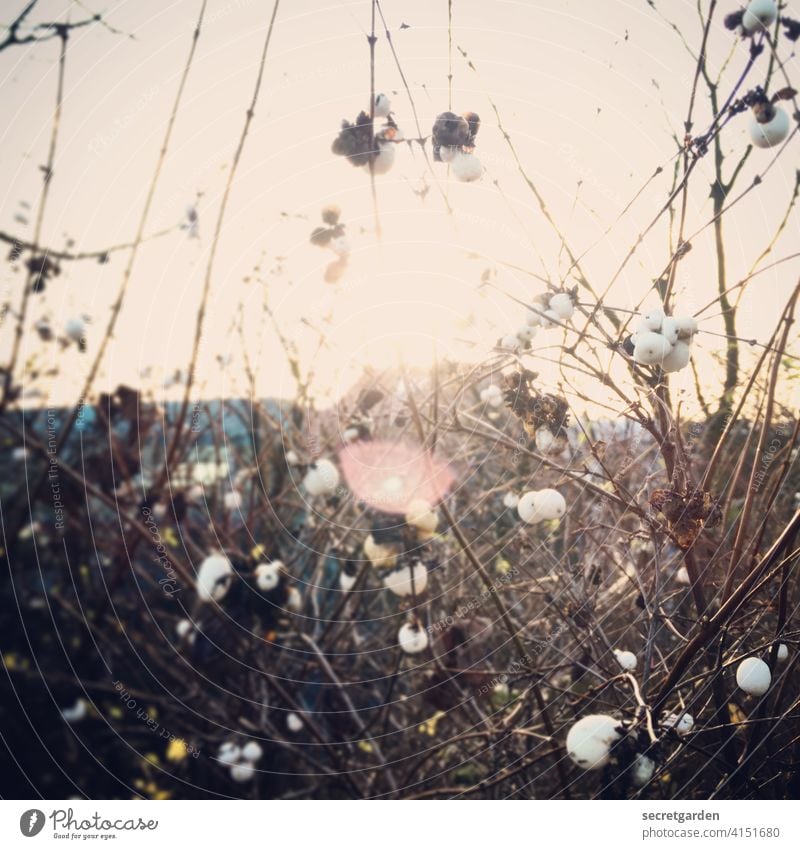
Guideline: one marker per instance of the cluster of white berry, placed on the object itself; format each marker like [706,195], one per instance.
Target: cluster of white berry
[662,340]
[548,310]
[240,759]
[541,505]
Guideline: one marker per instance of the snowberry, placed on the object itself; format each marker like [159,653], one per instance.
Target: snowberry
[350,434]
[412,638]
[420,516]
[381,556]
[677,358]
[183,628]
[399,580]
[526,508]
[383,106]
[322,478]
[550,504]
[340,246]
[687,327]
[292,459]
[773,131]
[642,771]
[550,318]
[510,500]
[533,318]
[562,305]
[544,439]
[466,167]
[384,158]
[783,653]
[682,576]
[294,600]
[682,723]
[75,329]
[590,739]
[268,575]
[526,333]
[509,342]
[753,676]
[669,329]
[650,348]
[492,395]
[242,772]
[626,659]
[252,751]
[346,581]
[229,753]
[75,713]
[651,321]
[294,723]
[759,14]
[233,500]
[214,577]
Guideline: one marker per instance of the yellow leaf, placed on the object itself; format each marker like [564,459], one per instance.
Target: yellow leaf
[10,660]
[170,537]
[177,751]
[736,713]
[115,712]
[258,552]
[429,726]
[502,566]
[365,746]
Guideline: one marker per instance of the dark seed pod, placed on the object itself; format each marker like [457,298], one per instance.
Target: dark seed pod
[331,214]
[734,20]
[474,123]
[628,346]
[450,130]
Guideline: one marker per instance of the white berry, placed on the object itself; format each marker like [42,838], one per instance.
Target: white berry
[642,771]
[214,577]
[322,478]
[399,580]
[229,753]
[268,575]
[466,167]
[687,327]
[412,638]
[759,14]
[677,358]
[626,659]
[773,132]
[561,304]
[753,676]
[383,106]
[650,348]
[294,723]
[242,772]
[590,739]
[510,500]
[682,723]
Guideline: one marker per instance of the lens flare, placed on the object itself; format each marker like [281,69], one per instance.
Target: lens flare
[389,476]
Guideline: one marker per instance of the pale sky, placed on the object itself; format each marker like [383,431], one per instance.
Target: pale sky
[589,91]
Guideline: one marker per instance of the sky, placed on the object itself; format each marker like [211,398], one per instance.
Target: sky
[592,95]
